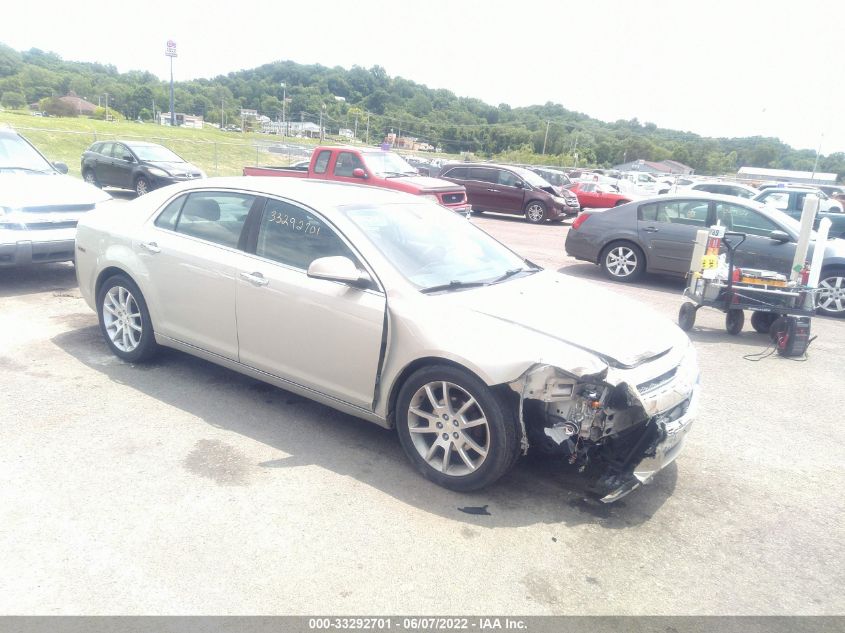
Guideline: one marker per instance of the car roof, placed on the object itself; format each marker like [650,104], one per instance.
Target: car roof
[320,194]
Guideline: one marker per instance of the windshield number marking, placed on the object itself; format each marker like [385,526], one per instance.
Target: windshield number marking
[295,225]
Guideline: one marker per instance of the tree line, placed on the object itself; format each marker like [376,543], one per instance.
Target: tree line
[373,104]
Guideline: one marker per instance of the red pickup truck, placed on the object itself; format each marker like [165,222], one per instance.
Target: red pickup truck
[374,167]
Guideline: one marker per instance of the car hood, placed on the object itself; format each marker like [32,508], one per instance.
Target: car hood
[46,192]
[426,184]
[622,332]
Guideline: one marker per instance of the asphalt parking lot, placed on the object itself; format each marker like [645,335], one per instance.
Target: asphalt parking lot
[180,487]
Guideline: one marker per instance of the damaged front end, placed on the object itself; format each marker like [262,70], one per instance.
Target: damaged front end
[618,427]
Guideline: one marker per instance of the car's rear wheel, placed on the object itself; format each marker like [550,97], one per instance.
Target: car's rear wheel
[124,320]
[830,298]
[89,177]
[623,261]
[142,185]
[456,431]
[535,211]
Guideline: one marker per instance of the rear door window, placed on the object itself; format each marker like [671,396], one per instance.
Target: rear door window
[484,174]
[458,173]
[322,162]
[215,216]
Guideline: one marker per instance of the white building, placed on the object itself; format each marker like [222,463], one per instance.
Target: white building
[182,120]
[786,175]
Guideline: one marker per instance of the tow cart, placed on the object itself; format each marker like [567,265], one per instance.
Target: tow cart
[768,302]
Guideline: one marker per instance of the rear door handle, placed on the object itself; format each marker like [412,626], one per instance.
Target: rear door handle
[152,247]
[256,279]
[651,229]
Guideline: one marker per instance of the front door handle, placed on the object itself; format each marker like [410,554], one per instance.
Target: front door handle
[651,229]
[256,279]
[152,247]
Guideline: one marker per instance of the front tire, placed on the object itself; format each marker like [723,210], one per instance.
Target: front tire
[125,321]
[830,297]
[142,186]
[623,261]
[535,212]
[456,431]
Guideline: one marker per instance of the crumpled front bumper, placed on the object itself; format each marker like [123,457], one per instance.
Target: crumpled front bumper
[660,455]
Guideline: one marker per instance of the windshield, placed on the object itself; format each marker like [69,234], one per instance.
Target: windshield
[388,164]
[431,246]
[530,177]
[16,153]
[556,178]
[155,154]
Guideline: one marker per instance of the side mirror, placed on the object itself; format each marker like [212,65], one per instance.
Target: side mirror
[359,173]
[128,158]
[340,269]
[781,237]
[519,184]
[60,167]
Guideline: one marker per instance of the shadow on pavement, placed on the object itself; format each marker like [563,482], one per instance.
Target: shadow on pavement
[27,280]
[658,283]
[536,491]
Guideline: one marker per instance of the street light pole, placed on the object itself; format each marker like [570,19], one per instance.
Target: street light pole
[171,53]
[546,137]
[284,103]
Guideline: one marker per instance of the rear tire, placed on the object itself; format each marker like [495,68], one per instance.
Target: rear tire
[623,261]
[762,321]
[830,297]
[455,430]
[89,177]
[125,321]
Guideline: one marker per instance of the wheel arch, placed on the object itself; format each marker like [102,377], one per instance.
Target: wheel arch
[420,363]
[110,271]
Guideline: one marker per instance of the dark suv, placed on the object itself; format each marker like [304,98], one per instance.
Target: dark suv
[135,165]
[509,189]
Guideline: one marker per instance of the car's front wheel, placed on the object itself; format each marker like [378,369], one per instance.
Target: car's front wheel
[458,432]
[623,261]
[830,298]
[124,320]
[535,212]
[142,185]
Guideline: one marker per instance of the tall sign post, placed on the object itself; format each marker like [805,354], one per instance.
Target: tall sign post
[171,53]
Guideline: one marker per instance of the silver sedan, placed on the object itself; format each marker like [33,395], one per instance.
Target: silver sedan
[396,310]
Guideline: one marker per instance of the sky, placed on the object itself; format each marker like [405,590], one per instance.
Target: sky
[741,68]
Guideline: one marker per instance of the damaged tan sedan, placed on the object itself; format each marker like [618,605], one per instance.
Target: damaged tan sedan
[398,311]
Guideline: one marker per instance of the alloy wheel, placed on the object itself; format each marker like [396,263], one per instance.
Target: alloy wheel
[535,212]
[621,261]
[831,294]
[141,187]
[448,428]
[122,319]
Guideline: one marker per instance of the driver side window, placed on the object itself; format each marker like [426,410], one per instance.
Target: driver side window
[296,237]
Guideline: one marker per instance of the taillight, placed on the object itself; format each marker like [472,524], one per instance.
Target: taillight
[580,220]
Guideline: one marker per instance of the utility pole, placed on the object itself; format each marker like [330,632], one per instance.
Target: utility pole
[222,102]
[170,51]
[284,103]
[816,162]
[546,137]
[368,128]
[107,106]
[355,133]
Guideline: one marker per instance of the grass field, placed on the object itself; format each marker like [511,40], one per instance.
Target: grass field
[217,153]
